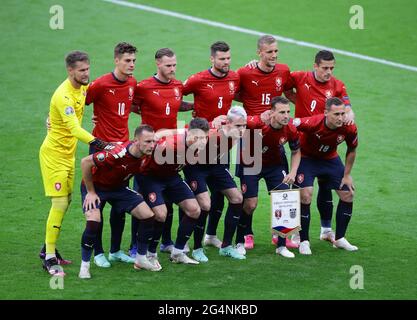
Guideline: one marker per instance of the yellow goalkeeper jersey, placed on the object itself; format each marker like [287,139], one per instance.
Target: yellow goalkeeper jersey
[65,115]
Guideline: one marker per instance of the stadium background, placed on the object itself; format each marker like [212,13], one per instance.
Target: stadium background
[383,97]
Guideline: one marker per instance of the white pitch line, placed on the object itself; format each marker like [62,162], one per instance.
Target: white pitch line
[258,33]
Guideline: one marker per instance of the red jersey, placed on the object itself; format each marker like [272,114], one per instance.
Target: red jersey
[257,87]
[312,95]
[110,173]
[169,157]
[213,95]
[273,141]
[320,142]
[159,102]
[112,100]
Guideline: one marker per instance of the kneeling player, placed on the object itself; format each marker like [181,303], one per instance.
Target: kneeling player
[274,168]
[105,179]
[319,159]
[160,180]
[213,171]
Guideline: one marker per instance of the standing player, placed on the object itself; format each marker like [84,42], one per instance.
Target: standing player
[313,88]
[160,181]
[106,179]
[57,153]
[159,99]
[112,95]
[258,85]
[212,170]
[274,164]
[321,136]
[214,90]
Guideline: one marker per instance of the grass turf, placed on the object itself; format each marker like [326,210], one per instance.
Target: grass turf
[383,223]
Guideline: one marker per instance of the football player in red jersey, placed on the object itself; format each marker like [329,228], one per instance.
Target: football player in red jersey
[274,163]
[106,179]
[313,88]
[112,95]
[160,181]
[321,136]
[212,171]
[260,81]
[214,90]
[159,99]
[267,79]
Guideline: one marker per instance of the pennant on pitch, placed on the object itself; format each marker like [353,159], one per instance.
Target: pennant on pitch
[285,212]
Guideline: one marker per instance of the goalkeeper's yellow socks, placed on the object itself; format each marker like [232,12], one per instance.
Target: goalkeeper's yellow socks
[53,224]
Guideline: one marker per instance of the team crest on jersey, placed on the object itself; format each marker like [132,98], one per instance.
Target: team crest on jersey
[131,91]
[244,188]
[193,185]
[57,186]
[282,140]
[177,93]
[328,94]
[278,213]
[101,156]
[340,138]
[278,83]
[300,178]
[69,110]
[152,197]
[232,87]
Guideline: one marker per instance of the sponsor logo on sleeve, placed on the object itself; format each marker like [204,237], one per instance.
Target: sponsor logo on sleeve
[101,156]
[69,110]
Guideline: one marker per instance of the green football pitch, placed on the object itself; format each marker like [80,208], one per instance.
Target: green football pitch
[383,97]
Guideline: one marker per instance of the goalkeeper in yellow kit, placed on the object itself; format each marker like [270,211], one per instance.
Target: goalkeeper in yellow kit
[57,153]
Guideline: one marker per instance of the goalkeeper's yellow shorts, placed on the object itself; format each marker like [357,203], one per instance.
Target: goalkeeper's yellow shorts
[57,173]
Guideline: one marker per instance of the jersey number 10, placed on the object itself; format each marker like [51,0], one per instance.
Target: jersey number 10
[121,108]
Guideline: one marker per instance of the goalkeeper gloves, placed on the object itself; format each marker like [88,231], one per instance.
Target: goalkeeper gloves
[117,150]
[101,145]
